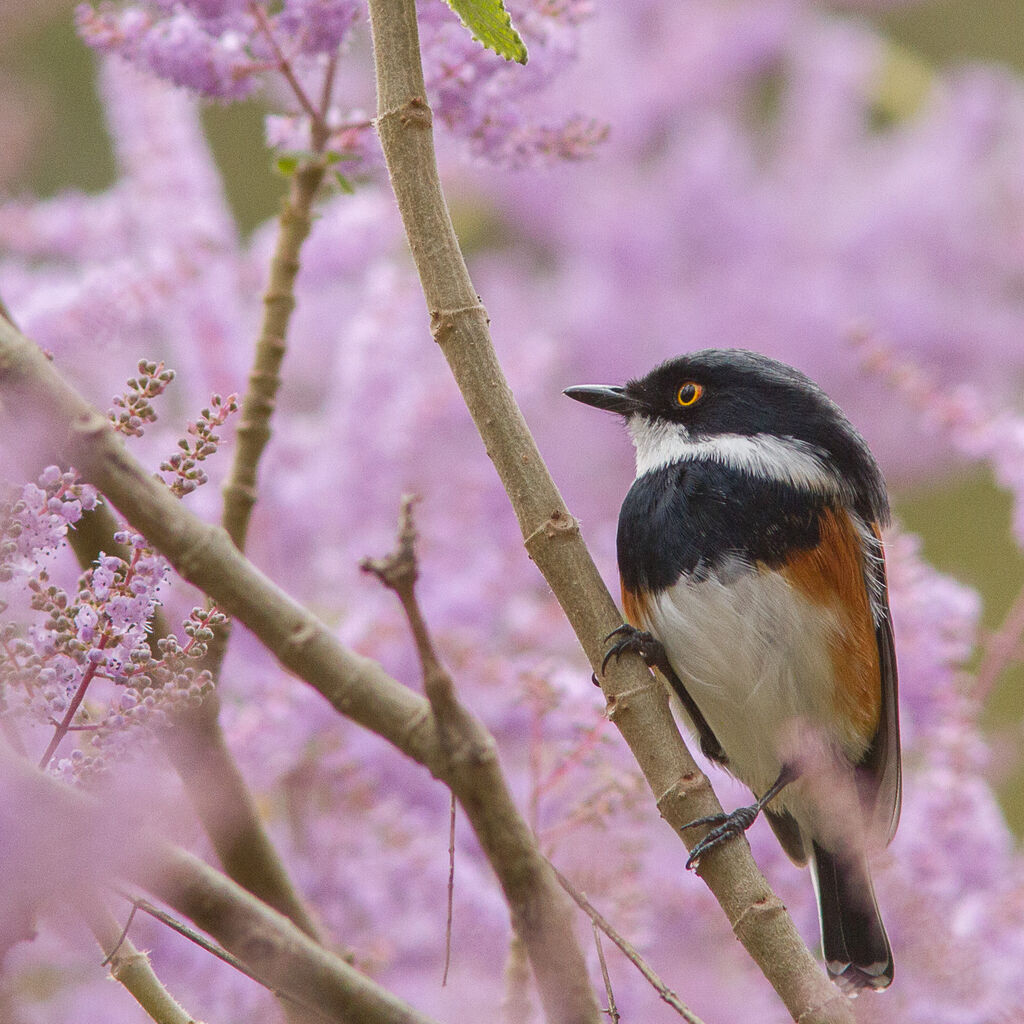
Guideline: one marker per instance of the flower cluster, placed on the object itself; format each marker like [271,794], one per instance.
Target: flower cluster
[184,466]
[135,404]
[35,521]
[491,104]
[222,50]
[973,427]
[206,47]
[82,661]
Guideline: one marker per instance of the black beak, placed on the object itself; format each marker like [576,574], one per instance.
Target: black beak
[610,397]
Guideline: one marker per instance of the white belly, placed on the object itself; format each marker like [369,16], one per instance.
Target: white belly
[754,655]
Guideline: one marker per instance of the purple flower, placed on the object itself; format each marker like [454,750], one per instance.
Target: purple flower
[180,50]
[319,26]
[179,47]
[86,620]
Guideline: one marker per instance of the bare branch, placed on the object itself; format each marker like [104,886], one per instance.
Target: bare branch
[284,959]
[265,376]
[539,912]
[636,703]
[612,1011]
[192,935]
[399,571]
[132,968]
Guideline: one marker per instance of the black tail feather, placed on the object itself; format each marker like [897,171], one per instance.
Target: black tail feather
[857,952]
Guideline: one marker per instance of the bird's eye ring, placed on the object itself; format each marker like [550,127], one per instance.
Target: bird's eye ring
[689,394]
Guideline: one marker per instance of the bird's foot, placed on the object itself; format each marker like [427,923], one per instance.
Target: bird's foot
[631,640]
[725,827]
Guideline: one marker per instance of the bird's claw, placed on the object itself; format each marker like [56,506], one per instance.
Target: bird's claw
[632,641]
[725,827]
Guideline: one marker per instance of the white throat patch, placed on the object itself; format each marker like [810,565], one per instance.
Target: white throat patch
[785,459]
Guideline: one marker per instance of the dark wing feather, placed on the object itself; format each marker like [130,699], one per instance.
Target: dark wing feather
[787,831]
[880,772]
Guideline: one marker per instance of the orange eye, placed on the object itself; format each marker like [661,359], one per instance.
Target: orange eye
[689,393]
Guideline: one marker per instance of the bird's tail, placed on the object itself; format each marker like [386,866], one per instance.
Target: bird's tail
[853,938]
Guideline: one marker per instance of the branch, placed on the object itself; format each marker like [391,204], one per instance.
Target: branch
[636,702]
[132,968]
[264,377]
[39,401]
[170,921]
[612,1011]
[283,958]
[399,571]
[540,913]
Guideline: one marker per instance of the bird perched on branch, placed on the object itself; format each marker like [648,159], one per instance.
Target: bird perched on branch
[753,578]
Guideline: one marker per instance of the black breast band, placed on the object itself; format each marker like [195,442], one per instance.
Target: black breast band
[694,517]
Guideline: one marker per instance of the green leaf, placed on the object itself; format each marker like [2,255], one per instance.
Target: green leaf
[287,165]
[334,157]
[491,26]
[344,184]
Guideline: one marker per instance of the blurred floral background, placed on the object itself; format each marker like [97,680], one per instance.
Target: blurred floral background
[838,185]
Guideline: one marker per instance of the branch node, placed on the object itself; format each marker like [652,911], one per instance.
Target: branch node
[819,1011]
[754,912]
[89,426]
[684,788]
[559,525]
[300,636]
[443,321]
[423,717]
[398,571]
[619,703]
[414,113]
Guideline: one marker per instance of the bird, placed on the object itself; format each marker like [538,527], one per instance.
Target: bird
[753,579]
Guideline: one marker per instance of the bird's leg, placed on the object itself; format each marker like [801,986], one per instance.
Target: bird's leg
[638,641]
[735,823]
[630,640]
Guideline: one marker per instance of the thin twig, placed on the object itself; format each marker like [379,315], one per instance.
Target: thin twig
[398,571]
[451,896]
[131,967]
[170,921]
[328,86]
[123,936]
[283,64]
[630,953]
[612,1011]
[258,403]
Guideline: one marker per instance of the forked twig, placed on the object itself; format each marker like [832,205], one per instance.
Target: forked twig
[399,571]
[613,1010]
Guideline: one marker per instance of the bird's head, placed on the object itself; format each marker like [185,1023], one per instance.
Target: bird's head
[748,411]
